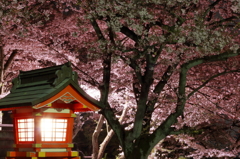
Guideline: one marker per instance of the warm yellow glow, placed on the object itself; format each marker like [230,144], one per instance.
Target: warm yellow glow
[25,129]
[53,129]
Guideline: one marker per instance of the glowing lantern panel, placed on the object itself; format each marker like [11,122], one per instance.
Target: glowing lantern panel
[53,129]
[25,129]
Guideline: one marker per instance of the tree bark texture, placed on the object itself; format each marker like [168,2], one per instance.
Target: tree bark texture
[5,66]
[95,137]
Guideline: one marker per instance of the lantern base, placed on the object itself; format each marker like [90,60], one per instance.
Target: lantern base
[45,155]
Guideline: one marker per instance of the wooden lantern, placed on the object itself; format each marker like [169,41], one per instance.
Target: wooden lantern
[43,103]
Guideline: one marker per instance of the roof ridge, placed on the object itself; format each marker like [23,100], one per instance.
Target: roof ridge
[50,75]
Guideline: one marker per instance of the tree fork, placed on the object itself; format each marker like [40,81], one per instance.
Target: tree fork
[110,134]
[107,112]
[157,90]
[143,98]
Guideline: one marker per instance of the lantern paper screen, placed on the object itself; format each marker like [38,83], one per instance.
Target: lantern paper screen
[53,129]
[25,129]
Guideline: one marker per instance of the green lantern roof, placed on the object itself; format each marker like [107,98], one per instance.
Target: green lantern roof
[33,87]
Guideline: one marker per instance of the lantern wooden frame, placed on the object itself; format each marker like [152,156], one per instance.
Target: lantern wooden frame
[50,93]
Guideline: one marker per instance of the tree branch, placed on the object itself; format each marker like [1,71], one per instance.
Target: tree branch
[111,35]
[104,87]
[157,90]
[95,137]
[216,24]
[97,29]
[10,59]
[187,130]
[165,128]
[113,122]
[212,58]
[133,64]
[136,85]
[110,134]
[143,98]
[211,6]
[129,33]
[92,81]
[207,81]
[78,128]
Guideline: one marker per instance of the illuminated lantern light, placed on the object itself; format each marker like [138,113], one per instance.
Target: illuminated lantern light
[53,129]
[25,129]
[43,103]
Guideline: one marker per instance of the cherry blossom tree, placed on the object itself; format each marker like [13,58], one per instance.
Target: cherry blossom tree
[14,40]
[177,62]
[163,45]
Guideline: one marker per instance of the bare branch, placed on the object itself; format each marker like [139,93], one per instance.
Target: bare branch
[165,127]
[92,81]
[208,11]
[129,33]
[95,137]
[207,81]
[10,59]
[216,24]
[97,29]
[159,87]
[110,134]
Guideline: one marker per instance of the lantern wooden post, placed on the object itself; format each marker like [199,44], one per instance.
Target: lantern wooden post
[43,103]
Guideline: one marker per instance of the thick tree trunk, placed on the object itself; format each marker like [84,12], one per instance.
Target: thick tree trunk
[137,153]
[142,146]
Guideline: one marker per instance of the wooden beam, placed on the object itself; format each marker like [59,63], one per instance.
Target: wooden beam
[6,125]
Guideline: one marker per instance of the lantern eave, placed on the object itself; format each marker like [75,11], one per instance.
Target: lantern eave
[40,88]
